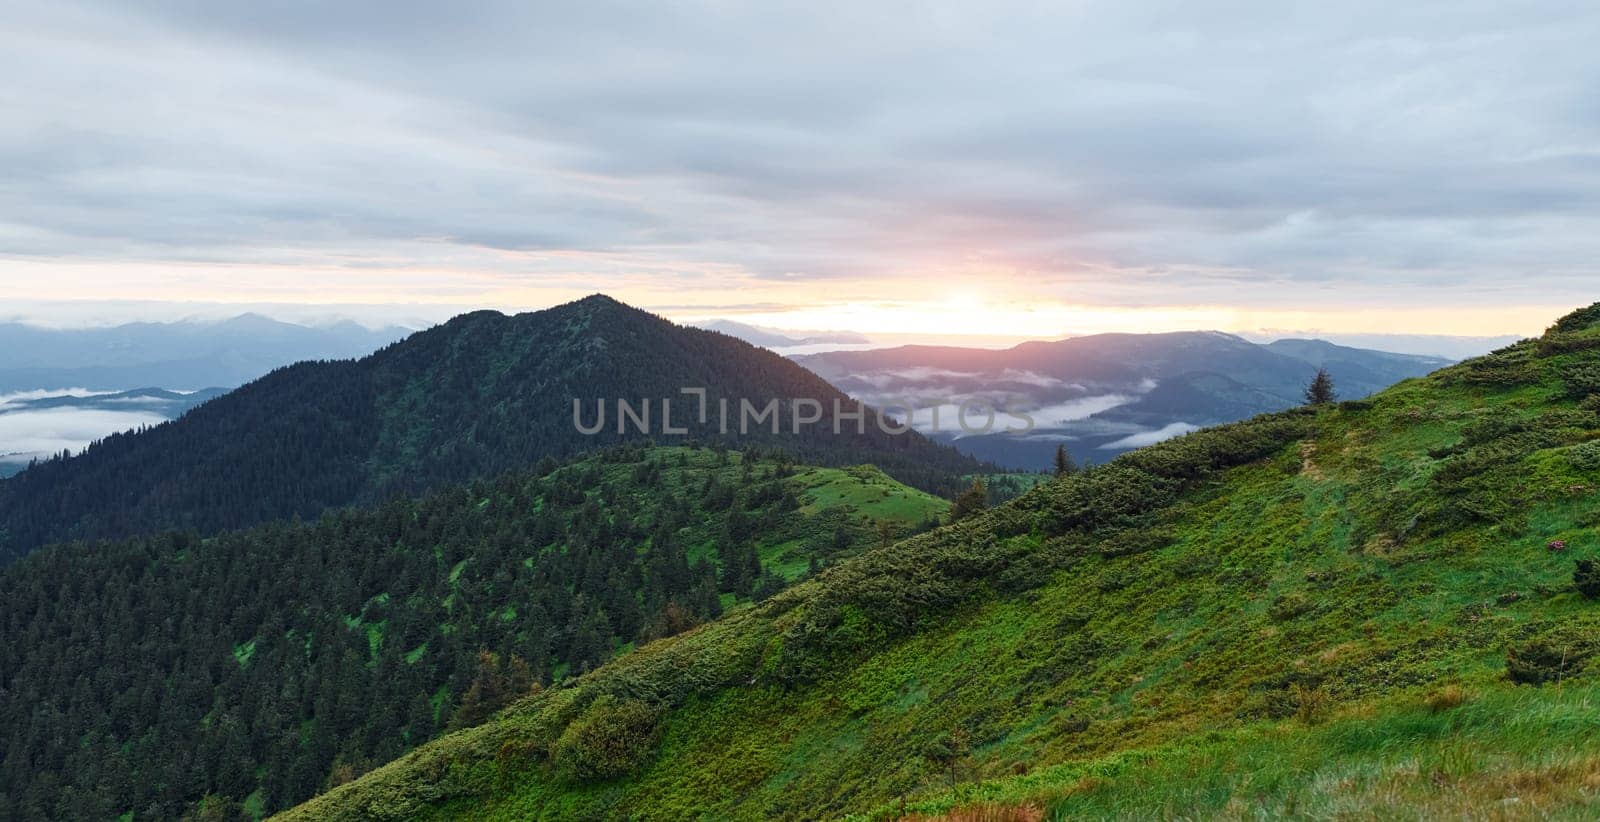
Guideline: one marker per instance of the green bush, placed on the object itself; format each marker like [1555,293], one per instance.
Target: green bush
[1289,606]
[1586,577]
[1585,456]
[1582,379]
[1578,320]
[1551,657]
[609,739]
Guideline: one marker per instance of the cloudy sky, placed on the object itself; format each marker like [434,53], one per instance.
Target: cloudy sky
[980,168]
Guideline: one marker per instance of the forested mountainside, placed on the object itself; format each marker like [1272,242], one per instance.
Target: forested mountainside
[240,674]
[481,394]
[1371,609]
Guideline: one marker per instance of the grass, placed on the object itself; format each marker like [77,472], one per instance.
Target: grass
[1303,616]
[1511,753]
[870,493]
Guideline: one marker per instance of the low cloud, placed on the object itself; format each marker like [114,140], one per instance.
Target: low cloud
[41,433]
[1143,438]
[19,398]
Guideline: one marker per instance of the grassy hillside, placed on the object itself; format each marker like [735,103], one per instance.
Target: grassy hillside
[257,668]
[1391,594]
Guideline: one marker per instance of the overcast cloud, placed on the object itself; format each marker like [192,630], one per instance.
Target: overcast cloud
[1122,153]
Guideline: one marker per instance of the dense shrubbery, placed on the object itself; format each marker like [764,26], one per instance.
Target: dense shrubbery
[610,738]
[1582,379]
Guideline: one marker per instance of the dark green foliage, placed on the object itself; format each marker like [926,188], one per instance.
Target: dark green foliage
[1583,319]
[1063,462]
[477,396]
[1548,658]
[496,683]
[1585,456]
[610,738]
[1586,577]
[1320,391]
[1505,368]
[153,672]
[970,502]
[1582,379]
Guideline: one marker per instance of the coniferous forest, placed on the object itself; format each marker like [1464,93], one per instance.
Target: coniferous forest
[242,673]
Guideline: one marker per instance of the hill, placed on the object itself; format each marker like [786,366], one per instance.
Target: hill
[1371,609]
[1105,394]
[259,667]
[481,394]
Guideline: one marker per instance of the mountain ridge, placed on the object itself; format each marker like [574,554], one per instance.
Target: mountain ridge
[480,394]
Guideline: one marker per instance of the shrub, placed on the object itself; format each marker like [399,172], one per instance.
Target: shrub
[1494,374]
[1136,541]
[1545,659]
[1586,577]
[1578,320]
[1310,704]
[1445,698]
[609,739]
[1289,606]
[1582,379]
[1585,456]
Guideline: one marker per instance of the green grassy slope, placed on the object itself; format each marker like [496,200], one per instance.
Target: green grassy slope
[1136,640]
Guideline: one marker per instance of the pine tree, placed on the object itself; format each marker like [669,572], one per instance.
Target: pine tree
[970,502]
[1320,391]
[1064,463]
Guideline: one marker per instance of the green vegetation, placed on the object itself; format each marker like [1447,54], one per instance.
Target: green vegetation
[253,669]
[1322,612]
[468,400]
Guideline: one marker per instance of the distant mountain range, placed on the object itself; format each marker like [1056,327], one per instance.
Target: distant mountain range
[186,355]
[474,397]
[169,404]
[771,338]
[1105,394]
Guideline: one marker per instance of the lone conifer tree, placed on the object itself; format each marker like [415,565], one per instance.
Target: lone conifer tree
[970,502]
[1064,463]
[1320,391]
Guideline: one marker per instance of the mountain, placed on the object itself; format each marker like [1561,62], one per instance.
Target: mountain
[182,355]
[1450,347]
[259,667]
[1105,394]
[1381,608]
[768,338]
[481,394]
